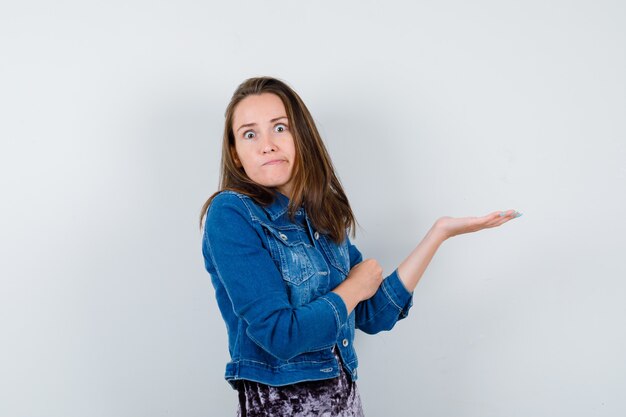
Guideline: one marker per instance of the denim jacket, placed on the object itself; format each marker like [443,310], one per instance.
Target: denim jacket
[273,280]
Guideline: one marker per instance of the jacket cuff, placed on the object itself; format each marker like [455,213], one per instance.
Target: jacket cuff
[338,307]
[397,292]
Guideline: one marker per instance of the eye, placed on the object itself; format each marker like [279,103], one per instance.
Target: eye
[284,126]
[245,134]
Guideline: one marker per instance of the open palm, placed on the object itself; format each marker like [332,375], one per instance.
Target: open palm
[452,226]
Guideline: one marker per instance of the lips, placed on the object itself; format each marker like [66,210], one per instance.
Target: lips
[274,162]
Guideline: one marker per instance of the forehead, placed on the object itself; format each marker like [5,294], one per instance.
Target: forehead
[258,108]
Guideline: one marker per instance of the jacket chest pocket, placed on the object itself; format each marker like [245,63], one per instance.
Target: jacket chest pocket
[337,254]
[298,262]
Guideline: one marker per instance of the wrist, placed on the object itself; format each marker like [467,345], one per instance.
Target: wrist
[349,294]
[438,233]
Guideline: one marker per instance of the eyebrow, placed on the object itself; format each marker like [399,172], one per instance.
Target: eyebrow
[254,124]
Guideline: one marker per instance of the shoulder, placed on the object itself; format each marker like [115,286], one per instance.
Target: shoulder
[230,220]
[227,197]
[226,201]
[231,206]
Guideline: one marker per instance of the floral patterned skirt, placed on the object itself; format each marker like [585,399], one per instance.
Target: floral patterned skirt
[336,397]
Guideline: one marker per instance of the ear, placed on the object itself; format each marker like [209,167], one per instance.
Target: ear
[233,154]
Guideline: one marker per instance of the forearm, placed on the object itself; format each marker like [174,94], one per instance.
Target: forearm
[412,268]
[388,305]
[290,331]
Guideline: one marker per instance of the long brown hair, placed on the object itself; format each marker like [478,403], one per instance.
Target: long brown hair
[315,184]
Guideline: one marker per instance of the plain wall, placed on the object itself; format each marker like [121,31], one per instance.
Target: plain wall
[111,122]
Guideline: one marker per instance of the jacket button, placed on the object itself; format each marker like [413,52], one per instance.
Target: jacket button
[317,236]
[345,342]
[283,236]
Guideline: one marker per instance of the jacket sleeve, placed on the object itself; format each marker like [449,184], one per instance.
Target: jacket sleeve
[389,304]
[256,289]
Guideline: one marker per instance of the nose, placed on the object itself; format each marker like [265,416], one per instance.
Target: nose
[268,144]
[269,148]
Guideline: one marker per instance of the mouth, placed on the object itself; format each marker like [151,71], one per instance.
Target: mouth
[274,162]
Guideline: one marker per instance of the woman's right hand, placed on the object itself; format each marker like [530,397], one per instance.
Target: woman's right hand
[361,283]
[366,277]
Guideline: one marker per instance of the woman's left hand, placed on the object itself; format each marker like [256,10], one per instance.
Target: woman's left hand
[452,226]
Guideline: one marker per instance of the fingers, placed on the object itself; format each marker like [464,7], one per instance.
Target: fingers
[507,214]
[498,218]
[510,213]
[504,216]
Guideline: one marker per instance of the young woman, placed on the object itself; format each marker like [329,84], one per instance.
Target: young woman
[290,285]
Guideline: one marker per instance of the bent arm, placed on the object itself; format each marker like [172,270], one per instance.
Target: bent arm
[394,298]
[234,251]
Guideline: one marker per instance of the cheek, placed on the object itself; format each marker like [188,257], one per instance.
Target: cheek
[250,168]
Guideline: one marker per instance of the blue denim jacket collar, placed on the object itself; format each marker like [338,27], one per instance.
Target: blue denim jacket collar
[278,207]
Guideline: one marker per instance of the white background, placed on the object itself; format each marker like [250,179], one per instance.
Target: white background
[111,122]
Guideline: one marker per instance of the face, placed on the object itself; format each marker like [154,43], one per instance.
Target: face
[263,142]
